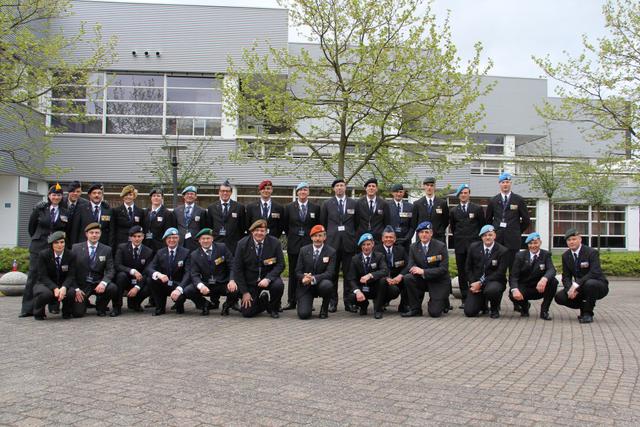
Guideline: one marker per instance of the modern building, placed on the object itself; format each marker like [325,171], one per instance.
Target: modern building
[167,79]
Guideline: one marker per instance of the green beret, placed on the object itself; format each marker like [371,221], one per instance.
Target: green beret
[570,232]
[55,236]
[92,226]
[204,232]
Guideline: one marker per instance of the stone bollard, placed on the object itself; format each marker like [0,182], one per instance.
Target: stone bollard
[12,284]
[455,287]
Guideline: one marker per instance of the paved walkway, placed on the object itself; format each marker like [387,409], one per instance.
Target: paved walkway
[190,370]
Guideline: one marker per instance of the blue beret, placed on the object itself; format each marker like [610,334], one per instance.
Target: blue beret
[460,188]
[397,187]
[505,176]
[189,188]
[424,225]
[389,229]
[364,238]
[532,236]
[302,185]
[172,231]
[135,229]
[485,229]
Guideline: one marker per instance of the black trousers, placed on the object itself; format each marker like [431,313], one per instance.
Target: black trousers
[32,274]
[531,293]
[215,292]
[291,287]
[102,300]
[123,281]
[463,281]
[42,296]
[160,291]
[342,259]
[491,292]
[306,294]
[438,294]
[588,293]
[379,291]
[275,288]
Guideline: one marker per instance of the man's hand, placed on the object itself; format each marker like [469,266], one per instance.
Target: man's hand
[232,286]
[56,293]
[360,296]
[246,300]
[163,278]
[517,295]
[364,279]
[395,280]
[100,288]
[307,279]
[175,295]
[262,284]
[475,287]
[137,275]
[573,291]
[132,292]
[79,295]
[62,293]
[542,284]
[204,290]
[416,271]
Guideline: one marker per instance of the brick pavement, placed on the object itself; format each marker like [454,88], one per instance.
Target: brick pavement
[190,370]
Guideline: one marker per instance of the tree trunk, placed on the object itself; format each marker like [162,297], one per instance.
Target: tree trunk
[599,227]
[550,224]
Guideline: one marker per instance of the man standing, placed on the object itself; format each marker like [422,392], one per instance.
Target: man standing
[428,272]
[533,276]
[486,270]
[432,209]
[396,258]
[315,271]
[367,279]
[71,203]
[466,220]
[400,216]
[96,211]
[94,273]
[131,261]
[299,217]
[227,218]
[338,216]
[267,209]
[372,211]
[582,277]
[126,215]
[190,218]
[158,219]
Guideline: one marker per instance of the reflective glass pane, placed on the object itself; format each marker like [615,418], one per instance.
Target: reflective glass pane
[134,108]
[134,125]
[66,124]
[198,127]
[202,82]
[198,110]
[134,94]
[87,107]
[193,95]
[179,127]
[70,92]
[135,80]
[213,128]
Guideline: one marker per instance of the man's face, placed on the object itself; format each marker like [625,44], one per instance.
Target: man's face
[398,195]
[425,236]
[488,238]
[319,238]
[172,241]
[259,234]
[367,247]
[94,235]
[128,198]
[58,246]
[75,195]
[574,242]
[96,196]
[303,194]
[429,189]
[339,189]
[464,195]
[137,238]
[156,199]
[388,239]
[505,186]
[55,198]
[206,241]
[534,245]
[225,193]
[266,192]
[190,197]
[372,190]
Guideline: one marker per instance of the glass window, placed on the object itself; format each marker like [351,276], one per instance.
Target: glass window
[198,110]
[136,80]
[612,227]
[66,124]
[134,125]
[134,94]
[193,95]
[195,82]
[134,108]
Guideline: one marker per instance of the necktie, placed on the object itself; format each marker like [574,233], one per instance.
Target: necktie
[367,264]
[225,210]
[58,261]
[259,251]
[52,212]
[464,209]
[92,255]
[265,210]
[371,207]
[534,259]
[96,213]
[487,253]
[504,200]
[130,209]
[187,215]
[135,253]
[389,258]
[172,259]
[430,206]
[399,207]
[303,212]
[208,251]
[153,214]
[577,264]
[71,207]
[341,207]
[316,254]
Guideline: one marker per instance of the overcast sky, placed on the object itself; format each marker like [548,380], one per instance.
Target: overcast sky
[510,30]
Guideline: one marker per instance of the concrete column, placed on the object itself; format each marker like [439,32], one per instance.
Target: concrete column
[9,189]
[542,222]
[633,228]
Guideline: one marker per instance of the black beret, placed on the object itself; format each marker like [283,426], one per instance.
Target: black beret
[397,187]
[156,190]
[55,189]
[337,181]
[135,229]
[95,186]
[73,185]
[370,181]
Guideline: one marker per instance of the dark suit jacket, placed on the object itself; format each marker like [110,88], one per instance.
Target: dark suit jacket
[275,222]
[124,261]
[218,269]
[71,211]
[156,225]
[102,270]
[234,224]
[494,269]
[248,270]
[524,274]
[438,216]
[516,217]
[197,223]
[178,271]
[324,268]
[48,273]
[331,219]
[465,226]
[40,226]
[297,231]
[435,262]
[400,260]
[378,268]
[122,223]
[84,217]
[373,223]
[402,222]
[588,268]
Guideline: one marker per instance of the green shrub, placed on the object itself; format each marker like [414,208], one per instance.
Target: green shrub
[7,255]
[621,264]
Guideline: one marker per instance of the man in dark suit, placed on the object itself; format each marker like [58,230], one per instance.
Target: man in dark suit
[227,218]
[126,215]
[400,216]
[131,262]
[338,216]
[465,222]
[268,209]
[71,202]
[97,211]
[487,263]
[372,212]
[299,217]
[94,273]
[533,276]
[396,258]
[56,277]
[433,209]
[169,273]
[428,272]
[367,279]
[190,218]
[582,278]
[157,219]
[315,271]
[211,274]
[258,264]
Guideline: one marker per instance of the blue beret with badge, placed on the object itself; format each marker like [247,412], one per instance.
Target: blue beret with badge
[424,225]
[460,188]
[485,229]
[302,185]
[505,176]
[364,238]
[533,236]
[189,188]
[171,231]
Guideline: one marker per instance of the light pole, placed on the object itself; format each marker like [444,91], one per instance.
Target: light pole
[172,151]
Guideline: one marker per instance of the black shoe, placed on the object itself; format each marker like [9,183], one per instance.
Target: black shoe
[158,312]
[39,316]
[214,305]
[236,306]
[586,318]
[524,309]
[89,305]
[225,309]
[115,312]
[290,306]
[323,314]
[517,307]
[274,313]
[101,313]
[205,310]
[25,315]
[66,316]
[363,311]
[461,306]
[179,308]
[377,315]
[411,313]
[333,307]
[351,308]
[495,314]
[150,304]
[545,315]
[54,311]
[173,307]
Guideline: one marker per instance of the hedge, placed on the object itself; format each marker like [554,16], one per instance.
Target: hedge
[7,255]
